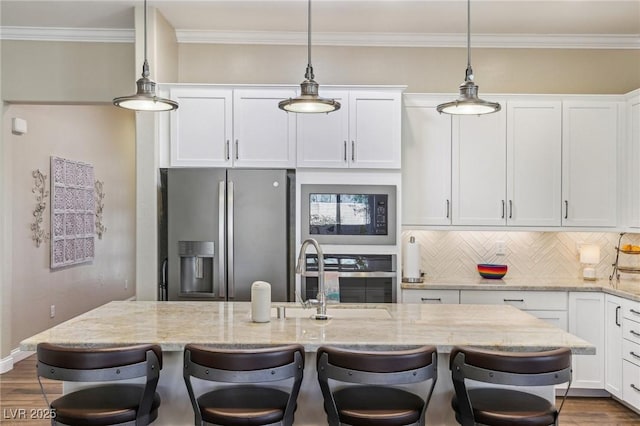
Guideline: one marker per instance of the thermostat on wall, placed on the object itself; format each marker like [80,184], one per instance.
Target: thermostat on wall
[18,126]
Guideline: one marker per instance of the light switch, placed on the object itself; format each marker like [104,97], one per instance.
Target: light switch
[18,126]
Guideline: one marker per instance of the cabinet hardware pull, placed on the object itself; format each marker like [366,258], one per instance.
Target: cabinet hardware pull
[345,151]
[635,355]
[513,300]
[633,311]
[618,316]
[226,151]
[431,299]
[510,209]
[635,388]
[502,209]
[353,151]
[635,333]
[237,156]
[448,202]
[566,209]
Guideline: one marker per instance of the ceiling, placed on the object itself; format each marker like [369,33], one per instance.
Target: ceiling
[592,18]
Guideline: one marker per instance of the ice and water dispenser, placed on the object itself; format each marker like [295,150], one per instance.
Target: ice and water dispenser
[196,266]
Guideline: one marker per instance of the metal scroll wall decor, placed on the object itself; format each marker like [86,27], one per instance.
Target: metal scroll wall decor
[39,234]
[72,212]
[100,228]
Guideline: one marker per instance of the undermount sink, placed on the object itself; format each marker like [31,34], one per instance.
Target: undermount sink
[337,312]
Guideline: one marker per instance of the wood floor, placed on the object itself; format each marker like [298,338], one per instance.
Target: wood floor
[22,404]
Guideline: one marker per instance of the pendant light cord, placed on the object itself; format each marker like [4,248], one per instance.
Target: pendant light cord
[309,72]
[145,65]
[469,72]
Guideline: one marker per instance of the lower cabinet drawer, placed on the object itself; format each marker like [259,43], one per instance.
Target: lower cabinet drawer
[631,330]
[631,383]
[557,318]
[631,351]
[431,296]
[528,300]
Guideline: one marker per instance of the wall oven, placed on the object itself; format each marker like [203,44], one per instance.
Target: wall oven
[349,214]
[362,278]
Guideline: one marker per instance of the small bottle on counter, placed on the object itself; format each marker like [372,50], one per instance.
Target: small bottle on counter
[260,301]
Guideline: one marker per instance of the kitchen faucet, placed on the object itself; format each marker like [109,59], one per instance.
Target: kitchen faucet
[301,268]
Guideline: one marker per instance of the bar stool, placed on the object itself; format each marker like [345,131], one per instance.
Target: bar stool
[500,406]
[247,403]
[375,400]
[106,403]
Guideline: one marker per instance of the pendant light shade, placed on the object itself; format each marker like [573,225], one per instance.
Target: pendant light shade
[309,101]
[468,102]
[145,98]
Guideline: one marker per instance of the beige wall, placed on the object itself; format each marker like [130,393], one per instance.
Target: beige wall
[421,69]
[165,58]
[102,136]
[36,71]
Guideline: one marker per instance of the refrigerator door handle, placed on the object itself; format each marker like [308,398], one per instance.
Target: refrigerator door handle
[230,277]
[221,246]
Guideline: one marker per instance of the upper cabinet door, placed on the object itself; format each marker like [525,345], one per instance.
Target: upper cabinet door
[264,135]
[534,163]
[375,129]
[201,128]
[633,171]
[426,164]
[323,138]
[590,141]
[479,169]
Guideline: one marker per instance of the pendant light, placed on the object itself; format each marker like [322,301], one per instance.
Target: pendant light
[468,103]
[145,99]
[309,101]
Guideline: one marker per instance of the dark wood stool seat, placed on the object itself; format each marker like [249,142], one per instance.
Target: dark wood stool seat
[250,402]
[374,399]
[103,404]
[507,406]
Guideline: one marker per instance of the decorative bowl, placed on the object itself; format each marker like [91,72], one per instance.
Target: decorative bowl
[492,271]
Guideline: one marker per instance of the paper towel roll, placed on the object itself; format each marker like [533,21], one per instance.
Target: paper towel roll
[260,301]
[411,261]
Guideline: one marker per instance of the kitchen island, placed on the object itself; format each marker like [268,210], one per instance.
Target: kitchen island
[371,326]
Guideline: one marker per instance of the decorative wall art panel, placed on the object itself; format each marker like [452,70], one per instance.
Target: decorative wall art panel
[72,212]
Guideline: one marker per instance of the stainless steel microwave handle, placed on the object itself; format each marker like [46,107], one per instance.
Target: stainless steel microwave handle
[230,274]
[221,245]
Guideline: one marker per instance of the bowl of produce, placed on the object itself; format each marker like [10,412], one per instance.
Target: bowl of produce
[492,271]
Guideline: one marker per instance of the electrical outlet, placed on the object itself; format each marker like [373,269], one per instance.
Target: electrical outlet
[52,311]
[501,248]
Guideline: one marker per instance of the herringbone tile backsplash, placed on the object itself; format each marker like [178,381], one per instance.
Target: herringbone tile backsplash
[455,254]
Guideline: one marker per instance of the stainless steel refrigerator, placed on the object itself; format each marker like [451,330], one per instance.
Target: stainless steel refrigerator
[227,228]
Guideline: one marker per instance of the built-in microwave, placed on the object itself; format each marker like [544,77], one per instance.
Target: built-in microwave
[348,214]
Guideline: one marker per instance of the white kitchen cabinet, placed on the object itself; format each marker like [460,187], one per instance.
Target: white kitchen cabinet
[264,135]
[631,353]
[202,127]
[479,169]
[534,163]
[364,133]
[431,296]
[589,169]
[613,345]
[550,306]
[633,160]
[426,163]
[586,320]
[226,127]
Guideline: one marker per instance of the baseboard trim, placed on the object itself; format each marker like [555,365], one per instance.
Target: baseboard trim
[17,355]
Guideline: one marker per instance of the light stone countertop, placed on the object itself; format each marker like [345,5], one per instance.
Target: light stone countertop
[629,289]
[174,324]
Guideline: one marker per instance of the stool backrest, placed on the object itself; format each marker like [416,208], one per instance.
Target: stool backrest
[511,368]
[256,365]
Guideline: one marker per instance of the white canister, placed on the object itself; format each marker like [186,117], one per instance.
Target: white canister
[260,301]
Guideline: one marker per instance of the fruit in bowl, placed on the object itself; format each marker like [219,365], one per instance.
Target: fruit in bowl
[492,271]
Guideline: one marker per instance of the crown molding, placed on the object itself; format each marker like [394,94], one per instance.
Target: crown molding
[516,41]
[501,41]
[99,35]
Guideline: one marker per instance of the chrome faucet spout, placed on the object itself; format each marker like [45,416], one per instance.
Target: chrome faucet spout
[301,267]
